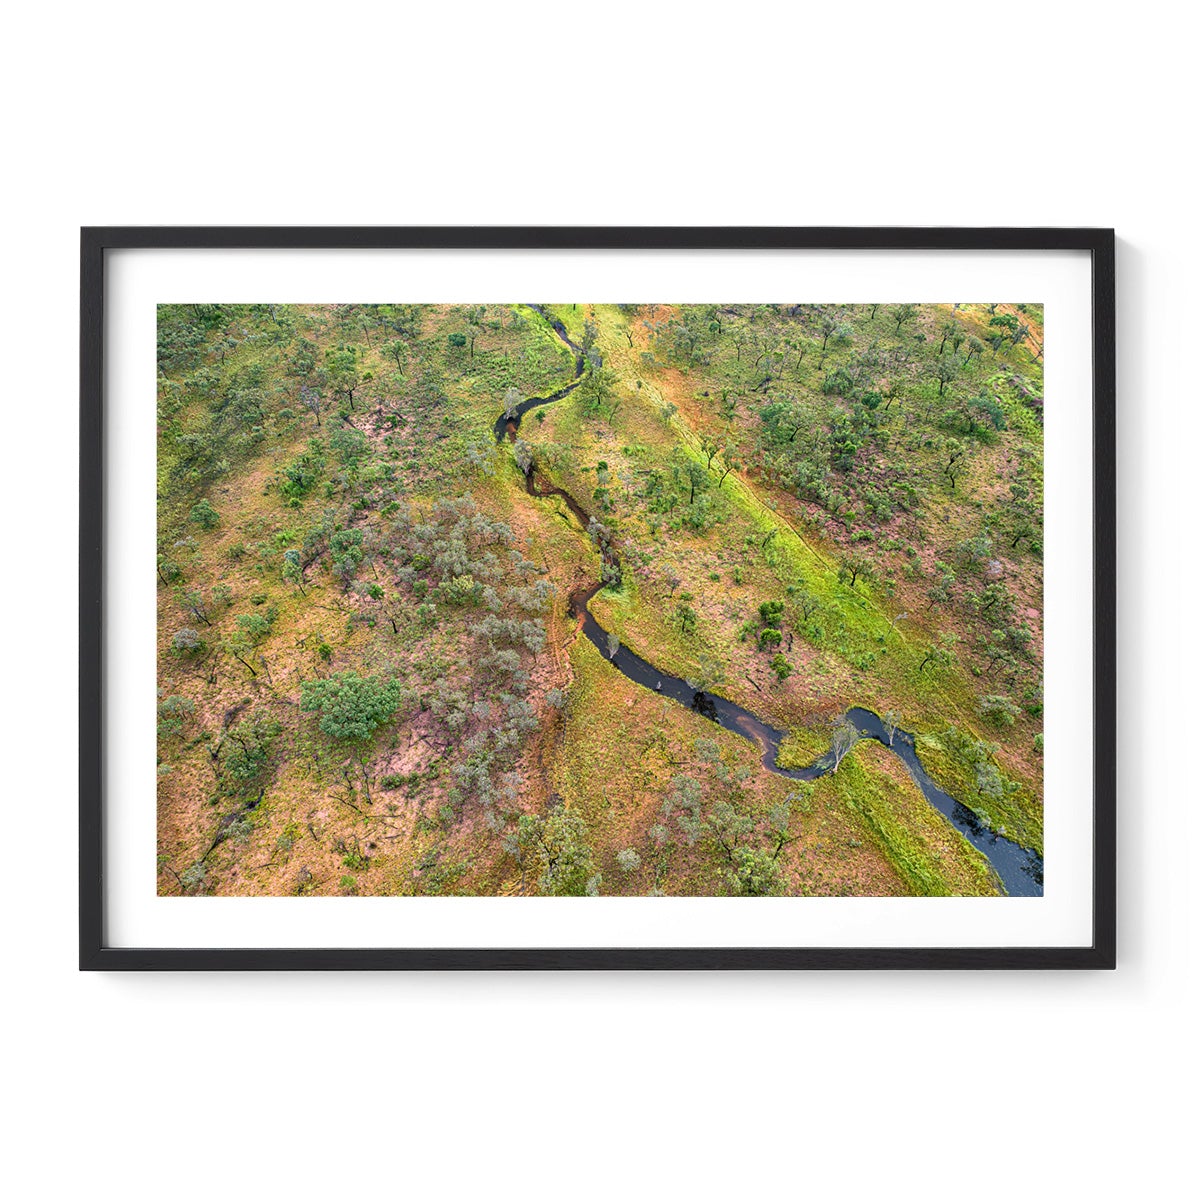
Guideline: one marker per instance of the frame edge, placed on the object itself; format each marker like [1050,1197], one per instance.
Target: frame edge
[94,240]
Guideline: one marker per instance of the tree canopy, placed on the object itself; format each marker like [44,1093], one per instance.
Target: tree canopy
[352,707]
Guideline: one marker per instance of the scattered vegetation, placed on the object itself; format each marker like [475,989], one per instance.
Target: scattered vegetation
[371,679]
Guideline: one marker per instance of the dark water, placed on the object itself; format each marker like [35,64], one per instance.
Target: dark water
[1019,869]
[508,426]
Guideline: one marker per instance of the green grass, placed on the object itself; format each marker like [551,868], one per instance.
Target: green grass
[930,857]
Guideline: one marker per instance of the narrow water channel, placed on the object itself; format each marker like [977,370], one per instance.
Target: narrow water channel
[1019,869]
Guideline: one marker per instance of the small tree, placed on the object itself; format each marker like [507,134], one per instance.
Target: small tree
[709,673]
[240,646]
[558,845]
[999,710]
[941,654]
[946,370]
[854,568]
[769,639]
[942,590]
[628,860]
[845,734]
[352,708]
[293,569]
[695,476]
[343,371]
[754,872]
[890,722]
[187,643]
[974,347]
[685,614]
[903,313]
[311,399]
[956,460]
[397,350]
[204,515]
[770,612]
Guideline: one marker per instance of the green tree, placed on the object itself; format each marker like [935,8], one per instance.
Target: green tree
[942,590]
[946,370]
[769,639]
[694,476]
[311,399]
[770,612]
[955,453]
[246,751]
[397,350]
[559,849]
[754,872]
[941,654]
[350,445]
[293,569]
[204,515]
[342,366]
[352,707]
[903,313]
[999,710]
[239,646]
[854,568]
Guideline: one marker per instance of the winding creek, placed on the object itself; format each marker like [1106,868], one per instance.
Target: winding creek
[1019,869]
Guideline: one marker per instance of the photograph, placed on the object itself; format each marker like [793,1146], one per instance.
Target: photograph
[575,600]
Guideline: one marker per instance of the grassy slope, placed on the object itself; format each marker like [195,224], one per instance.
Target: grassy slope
[864,658]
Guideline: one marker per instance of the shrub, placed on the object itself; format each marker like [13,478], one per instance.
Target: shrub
[193,879]
[173,712]
[771,613]
[187,642]
[204,515]
[351,707]
[628,860]
[999,710]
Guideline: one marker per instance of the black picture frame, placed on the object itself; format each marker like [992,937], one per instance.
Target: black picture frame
[96,242]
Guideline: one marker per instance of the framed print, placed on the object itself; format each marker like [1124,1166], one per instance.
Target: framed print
[597,598]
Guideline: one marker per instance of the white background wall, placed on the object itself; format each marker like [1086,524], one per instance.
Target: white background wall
[619,113]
